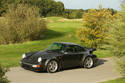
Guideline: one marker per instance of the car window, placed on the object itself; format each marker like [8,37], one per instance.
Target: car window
[74,49]
[55,46]
[78,49]
[69,48]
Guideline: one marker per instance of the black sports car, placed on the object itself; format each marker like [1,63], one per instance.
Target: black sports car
[59,55]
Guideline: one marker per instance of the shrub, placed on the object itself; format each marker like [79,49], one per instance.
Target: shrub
[116,35]
[21,23]
[121,65]
[3,79]
[116,40]
[95,26]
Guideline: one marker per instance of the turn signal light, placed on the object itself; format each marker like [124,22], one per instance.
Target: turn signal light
[38,66]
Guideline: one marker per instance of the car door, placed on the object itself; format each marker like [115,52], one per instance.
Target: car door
[78,52]
[70,58]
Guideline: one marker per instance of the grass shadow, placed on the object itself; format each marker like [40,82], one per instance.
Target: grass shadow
[49,34]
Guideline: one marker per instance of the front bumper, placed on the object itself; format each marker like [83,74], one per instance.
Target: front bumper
[33,67]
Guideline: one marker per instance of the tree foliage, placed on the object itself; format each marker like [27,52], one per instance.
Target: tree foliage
[3,79]
[47,7]
[121,65]
[3,7]
[116,39]
[22,23]
[73,13]
[95,27]
[116,34]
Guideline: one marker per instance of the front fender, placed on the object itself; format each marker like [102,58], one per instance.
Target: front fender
[48,60]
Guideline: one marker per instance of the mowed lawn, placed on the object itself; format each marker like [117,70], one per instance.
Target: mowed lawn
[59,30]
[119,80]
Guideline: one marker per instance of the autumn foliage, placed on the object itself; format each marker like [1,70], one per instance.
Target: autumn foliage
[21,24]
[95,24]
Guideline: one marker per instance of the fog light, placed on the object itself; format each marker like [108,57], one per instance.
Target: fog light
[36,66]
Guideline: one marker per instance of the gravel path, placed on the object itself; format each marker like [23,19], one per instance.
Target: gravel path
[103,72]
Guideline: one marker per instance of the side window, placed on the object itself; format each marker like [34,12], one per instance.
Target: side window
[69,48]
[74,49]
[79,49]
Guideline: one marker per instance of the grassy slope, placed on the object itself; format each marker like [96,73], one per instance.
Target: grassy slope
[58,31]
[119,80]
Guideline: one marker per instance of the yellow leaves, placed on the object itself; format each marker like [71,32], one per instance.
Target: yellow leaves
[95,26]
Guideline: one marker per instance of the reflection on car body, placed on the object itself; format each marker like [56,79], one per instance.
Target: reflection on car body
[59,55]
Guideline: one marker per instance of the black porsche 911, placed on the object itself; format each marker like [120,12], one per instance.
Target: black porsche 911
[59,55]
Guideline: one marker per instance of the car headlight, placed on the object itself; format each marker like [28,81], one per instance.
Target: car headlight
[39,59]
[23,56]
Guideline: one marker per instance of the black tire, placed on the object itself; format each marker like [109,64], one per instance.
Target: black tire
[52,66]
[88,62]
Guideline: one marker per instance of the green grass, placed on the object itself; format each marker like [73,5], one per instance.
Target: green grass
[119,80]
[10,55]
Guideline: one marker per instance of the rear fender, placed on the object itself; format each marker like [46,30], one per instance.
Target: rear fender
[84,57]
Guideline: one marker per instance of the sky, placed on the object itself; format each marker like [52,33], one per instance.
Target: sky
[87,4]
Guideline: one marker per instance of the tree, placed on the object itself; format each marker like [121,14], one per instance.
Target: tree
[3,7]
[116,34]
[116,39]
[22,23]
[73,13]
[95,27]
[46,6]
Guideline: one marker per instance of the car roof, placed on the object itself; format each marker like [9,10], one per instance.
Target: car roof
[67,43]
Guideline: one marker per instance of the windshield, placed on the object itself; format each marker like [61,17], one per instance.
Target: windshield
[55,47]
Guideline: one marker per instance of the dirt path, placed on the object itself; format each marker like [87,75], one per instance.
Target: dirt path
[103,72]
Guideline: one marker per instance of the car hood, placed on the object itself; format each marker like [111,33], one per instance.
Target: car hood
[44,54]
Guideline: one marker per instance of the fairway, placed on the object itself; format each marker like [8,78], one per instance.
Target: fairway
[59,30]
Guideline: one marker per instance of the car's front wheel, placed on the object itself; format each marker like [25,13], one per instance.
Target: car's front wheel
[52,66]
[88,63]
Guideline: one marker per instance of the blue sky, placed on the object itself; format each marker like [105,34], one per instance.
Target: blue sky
[87,4]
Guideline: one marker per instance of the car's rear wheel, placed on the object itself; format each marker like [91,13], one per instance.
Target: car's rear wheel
[88,63]
[52,66]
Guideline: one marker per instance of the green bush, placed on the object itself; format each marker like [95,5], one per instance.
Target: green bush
[116,39]
[3,79]
[116,34]
[121,65]
[21,23]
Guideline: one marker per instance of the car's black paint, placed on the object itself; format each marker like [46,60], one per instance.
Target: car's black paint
[65,58]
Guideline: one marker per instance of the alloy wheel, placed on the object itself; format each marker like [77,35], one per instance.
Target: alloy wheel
[52,66]
[88,62]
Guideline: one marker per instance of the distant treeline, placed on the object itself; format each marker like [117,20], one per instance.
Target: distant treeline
[79,13]
[47,8]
